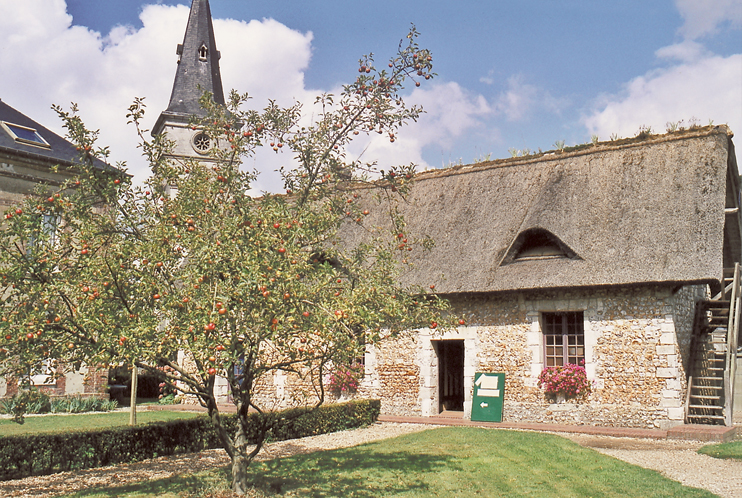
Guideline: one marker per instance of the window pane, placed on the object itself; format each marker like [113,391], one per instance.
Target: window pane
[564,338]
[26,134]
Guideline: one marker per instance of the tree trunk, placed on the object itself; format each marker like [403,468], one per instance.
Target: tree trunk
[240,462]
[239,473]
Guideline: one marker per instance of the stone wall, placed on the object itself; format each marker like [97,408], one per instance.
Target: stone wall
[636,348]
[87,381]
[279,390]
[400,379]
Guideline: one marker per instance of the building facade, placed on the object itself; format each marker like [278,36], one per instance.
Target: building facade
[31,155]
[596,257]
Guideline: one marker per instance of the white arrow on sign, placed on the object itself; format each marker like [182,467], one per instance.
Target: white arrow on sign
[483,405]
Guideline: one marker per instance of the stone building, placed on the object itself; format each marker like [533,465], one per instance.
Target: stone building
[596,255]
[32,155]
[29,153]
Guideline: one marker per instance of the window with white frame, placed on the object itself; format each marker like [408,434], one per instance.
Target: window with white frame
[47,232]
[564,338]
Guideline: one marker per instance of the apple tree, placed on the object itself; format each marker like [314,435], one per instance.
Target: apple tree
[240,287]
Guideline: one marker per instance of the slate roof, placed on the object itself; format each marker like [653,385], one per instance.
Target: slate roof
[195,73]
[646,212]
[60,151]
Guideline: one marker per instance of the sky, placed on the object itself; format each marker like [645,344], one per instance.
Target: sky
[512,75]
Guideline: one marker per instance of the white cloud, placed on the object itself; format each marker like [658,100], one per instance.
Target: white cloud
[700,85]
[518,100]
[704,17]
[264,58]
[686,51]
[450,112]
[707,89]
[46,60]
[522,99]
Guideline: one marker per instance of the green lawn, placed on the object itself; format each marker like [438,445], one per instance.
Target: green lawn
[732,450]
[446,462]
[63,423]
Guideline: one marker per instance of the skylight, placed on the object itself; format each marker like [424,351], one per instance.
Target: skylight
[24,135]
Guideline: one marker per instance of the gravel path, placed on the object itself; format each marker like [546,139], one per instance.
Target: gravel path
[677,460]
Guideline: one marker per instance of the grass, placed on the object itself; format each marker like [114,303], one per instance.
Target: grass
[64,423]
[731,450]
[204,484]
[450,462]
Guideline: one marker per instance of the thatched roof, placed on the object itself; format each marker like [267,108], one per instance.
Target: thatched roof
[619,214]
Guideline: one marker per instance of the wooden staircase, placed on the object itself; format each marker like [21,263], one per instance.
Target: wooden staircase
[710,393]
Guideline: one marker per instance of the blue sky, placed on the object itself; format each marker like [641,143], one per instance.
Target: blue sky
[512,74]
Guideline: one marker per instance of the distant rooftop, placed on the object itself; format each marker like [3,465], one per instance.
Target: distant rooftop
[19,134]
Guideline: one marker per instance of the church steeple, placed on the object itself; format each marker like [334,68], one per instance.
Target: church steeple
[198,69]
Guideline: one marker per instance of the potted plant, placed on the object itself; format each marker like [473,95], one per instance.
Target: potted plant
[564,382]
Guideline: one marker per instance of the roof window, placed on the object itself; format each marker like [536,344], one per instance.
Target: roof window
[24,135]
[537,243]
[202,53]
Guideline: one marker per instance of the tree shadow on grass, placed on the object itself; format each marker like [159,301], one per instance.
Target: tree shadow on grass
[177,486]
[358,472]
[351,472]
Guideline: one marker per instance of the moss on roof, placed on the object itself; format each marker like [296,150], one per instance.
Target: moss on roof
[630,211]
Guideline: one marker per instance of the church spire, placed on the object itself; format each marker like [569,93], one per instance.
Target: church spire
[198,68]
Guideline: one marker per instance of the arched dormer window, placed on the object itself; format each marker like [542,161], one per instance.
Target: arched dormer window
[202,53]
[538,243]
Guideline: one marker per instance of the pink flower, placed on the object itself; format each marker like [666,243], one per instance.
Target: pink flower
[569,380]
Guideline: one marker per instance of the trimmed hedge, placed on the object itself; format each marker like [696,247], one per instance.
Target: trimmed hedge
[29,455]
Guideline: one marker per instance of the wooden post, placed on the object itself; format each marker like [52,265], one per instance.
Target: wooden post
[133,406]
[731,354]
[687,400]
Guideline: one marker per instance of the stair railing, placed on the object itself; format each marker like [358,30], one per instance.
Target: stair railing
[735,306]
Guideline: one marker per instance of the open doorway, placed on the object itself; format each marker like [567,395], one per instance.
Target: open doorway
[450,375]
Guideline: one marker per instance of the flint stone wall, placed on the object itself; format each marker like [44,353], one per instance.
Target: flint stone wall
[281,390]
[636,353]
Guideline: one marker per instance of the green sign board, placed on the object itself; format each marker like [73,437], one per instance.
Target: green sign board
[489,393]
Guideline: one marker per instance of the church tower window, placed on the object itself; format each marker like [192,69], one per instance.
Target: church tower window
[202,53]
[202,143]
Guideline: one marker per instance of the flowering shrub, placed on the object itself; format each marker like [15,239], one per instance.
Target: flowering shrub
[569,380]
[345,379]
[167,389]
